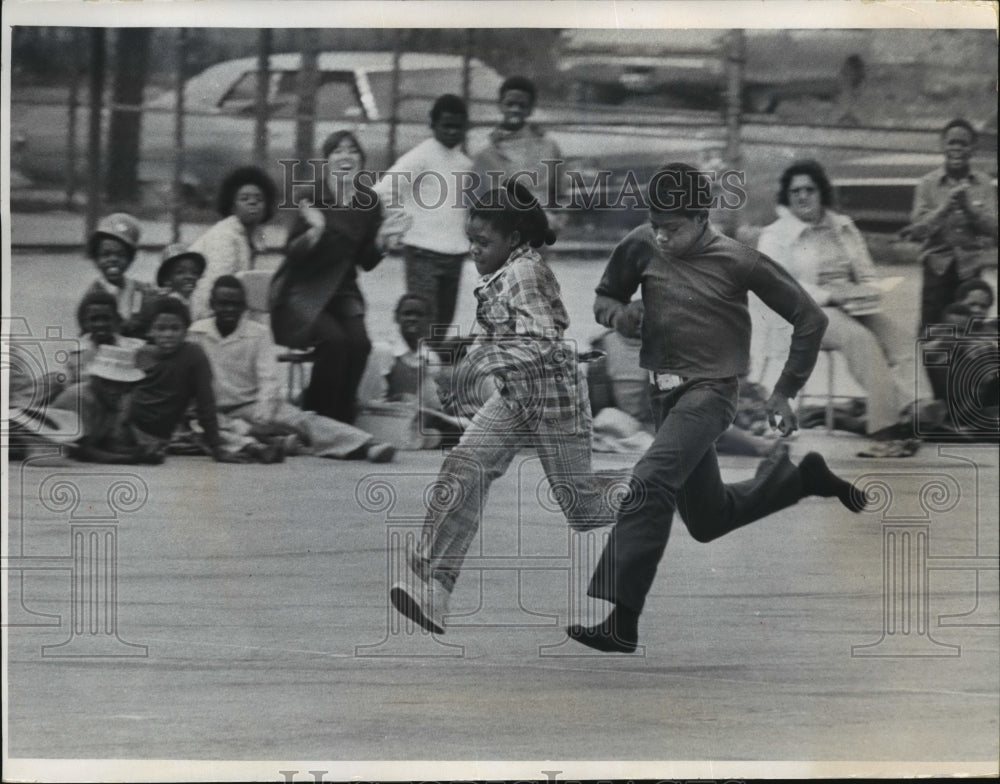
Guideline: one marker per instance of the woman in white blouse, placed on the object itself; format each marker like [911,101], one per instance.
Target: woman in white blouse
[247,200]
[826,253]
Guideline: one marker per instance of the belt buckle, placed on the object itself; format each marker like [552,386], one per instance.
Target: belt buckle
[665,382]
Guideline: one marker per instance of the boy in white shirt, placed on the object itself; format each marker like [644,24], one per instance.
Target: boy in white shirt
[426,184]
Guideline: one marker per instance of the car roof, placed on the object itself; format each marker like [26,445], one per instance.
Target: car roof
[207,88]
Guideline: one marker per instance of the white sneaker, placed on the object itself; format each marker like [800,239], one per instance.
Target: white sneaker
[424,603]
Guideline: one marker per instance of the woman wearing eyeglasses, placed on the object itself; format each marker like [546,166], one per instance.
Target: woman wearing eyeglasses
[826,253]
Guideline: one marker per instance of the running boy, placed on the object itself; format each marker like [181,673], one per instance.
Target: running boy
[538,401]
[695,330]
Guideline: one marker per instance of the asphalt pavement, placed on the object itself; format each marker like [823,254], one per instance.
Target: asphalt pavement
[248,620]
[238,615]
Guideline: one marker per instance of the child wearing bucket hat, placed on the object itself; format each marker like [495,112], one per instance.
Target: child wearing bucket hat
[178,274]
[180,270]
[102,401]
[112,248]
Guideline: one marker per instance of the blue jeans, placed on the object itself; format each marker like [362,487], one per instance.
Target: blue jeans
[680,471]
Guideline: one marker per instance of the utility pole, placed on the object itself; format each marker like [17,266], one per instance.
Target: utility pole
[125,124]
[735,61]
[75,68]
[262,108]
[397,51]
[470,37]
[305,125]
[178,185]
[96,89]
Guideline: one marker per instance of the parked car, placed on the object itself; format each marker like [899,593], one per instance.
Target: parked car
[354,92]
[219,114]
[616,66]
[873,174]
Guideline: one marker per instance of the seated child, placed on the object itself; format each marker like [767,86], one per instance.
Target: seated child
[977,295]
[177,373]
[112,248]
[248,388]
[177,276]
[100,322]
[408,371]
[102,401]
[179,272]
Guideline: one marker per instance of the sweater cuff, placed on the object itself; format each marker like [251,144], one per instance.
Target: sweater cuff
[607,311]
[787,386]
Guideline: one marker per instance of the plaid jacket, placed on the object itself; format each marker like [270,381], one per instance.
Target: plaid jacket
[520,321]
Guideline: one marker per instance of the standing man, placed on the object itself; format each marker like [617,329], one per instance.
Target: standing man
[426,184]
[695,329]
[955,217]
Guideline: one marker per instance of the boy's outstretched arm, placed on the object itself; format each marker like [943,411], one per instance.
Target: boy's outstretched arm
[781,292]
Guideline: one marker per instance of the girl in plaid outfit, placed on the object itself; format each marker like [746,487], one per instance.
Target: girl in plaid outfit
[536,400]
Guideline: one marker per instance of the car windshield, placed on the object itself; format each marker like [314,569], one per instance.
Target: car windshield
[420,87]
[336,98]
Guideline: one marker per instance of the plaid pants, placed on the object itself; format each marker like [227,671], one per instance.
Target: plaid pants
[488,446]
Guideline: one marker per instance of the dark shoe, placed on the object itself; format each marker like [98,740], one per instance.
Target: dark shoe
[275,453]
[601,638]
[818,479]
[618,633]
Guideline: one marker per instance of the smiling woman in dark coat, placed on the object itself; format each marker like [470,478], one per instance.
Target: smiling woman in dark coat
[315,298]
